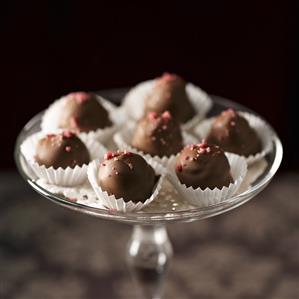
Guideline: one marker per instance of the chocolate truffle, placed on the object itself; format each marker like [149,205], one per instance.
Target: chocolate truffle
[126,175]
[232,132]
[61,150]
[203,165]
[169,94]
[158,135]
[82,112]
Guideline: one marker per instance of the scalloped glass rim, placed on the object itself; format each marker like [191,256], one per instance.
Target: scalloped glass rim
[273,159]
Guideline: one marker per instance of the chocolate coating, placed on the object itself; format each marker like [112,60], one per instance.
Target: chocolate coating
[169,94]
[203,165]
[126,175]
[82,112]
[232,132]
[61,150]
[158,135]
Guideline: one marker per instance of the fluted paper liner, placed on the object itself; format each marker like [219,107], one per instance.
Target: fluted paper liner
[133,102]
[112,203]
[207,197]
[124,137]
[51,117]
[262,129]
[61,177]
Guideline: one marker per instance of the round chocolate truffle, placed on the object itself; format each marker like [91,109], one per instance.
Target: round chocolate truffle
[61,150]
[232,132]
[203,166]
[169,94]
[158,135]
[126,175]
[82,112]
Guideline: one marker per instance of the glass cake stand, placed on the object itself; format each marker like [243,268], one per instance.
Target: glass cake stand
[149,249]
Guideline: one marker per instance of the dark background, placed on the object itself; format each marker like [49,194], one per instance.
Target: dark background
[243,50]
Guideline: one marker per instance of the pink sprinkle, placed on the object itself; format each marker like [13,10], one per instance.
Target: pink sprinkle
[203,144]
[232,123]
[231,112]
[179,168]
[68,149]
[202,151]
[226,132]
[166,116]
[152,115]
[72,199]
[68,134]
[111,210]
[128,154]
[50,135]
[168,77]
[81,97]
[109,155]
[208,149]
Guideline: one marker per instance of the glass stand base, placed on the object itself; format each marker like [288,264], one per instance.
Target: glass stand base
[148,256]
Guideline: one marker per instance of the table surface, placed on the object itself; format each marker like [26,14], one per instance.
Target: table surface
[50,252]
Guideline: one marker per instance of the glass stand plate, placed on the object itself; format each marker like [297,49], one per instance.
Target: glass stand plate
[149,249]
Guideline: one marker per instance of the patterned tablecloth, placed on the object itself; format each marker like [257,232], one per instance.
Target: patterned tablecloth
[49,252]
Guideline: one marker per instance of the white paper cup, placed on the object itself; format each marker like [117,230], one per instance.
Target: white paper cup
[110,202]
[124,138]
[134,101]
[61,177]
[51,118]
[263,131]
[207,197]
